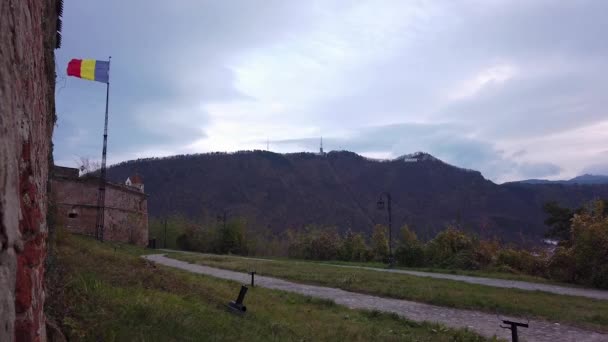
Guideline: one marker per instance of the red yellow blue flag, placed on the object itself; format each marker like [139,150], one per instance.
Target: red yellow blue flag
[90,69]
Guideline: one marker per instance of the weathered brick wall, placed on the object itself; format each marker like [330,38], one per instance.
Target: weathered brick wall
[126,213]
[27,86]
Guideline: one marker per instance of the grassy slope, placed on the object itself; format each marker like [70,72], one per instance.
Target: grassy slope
[98,292]
[579,311]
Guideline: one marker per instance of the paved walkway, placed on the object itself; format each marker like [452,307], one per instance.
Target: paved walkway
[480,322]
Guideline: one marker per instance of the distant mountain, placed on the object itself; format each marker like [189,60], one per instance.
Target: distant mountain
[584,179]
[279,191]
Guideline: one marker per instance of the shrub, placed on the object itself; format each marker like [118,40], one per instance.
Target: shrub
[585,258]
[379,243]
[313,243]
[485,252]
[410,251]
[360,250]
[451,248]
[522,261]
[353,247]
[561,266]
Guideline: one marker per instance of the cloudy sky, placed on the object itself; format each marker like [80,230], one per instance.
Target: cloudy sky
[515,89]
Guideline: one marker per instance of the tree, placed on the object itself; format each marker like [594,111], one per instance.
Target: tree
[353,247]
[325,244]
[410,251]
[86,165]
[590,244]
[452,248]
[346,250]
[558,220]
[231,237]
[380,243]
[360,250]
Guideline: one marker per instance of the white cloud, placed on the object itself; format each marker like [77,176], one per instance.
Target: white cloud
[489,77]
[510,89]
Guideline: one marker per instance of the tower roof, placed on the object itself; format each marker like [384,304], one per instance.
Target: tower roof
[136,179]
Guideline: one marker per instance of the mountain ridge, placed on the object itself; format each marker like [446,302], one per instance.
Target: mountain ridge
[582,179]
[275,191]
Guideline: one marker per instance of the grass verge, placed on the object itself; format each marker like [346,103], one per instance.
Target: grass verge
[102,293]
[579,311]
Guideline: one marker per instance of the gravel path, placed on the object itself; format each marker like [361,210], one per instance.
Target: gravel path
[516,284]
[482,323]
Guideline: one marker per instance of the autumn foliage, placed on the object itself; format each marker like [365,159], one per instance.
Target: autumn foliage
[581,256]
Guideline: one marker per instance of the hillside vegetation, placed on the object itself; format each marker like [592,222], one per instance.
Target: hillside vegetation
[580,256]
[274,192]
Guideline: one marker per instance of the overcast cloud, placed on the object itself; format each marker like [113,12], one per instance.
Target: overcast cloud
[514,89]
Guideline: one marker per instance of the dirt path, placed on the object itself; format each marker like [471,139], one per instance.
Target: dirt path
[482,323]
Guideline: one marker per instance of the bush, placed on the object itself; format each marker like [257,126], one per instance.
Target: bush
[561,266]
[410,251]
[522,261]
[185,243]
[380,243]
[316,244]
[600,277]
[451,248]
[485,252]
[585,258]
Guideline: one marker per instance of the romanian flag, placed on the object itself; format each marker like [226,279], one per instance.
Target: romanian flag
[90,69]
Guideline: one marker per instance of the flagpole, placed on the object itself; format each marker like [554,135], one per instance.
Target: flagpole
[99,231]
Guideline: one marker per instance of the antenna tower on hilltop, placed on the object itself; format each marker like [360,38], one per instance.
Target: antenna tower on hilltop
[321,146]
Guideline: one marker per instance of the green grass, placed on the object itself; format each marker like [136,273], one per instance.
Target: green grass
[473,273]
[101,293]
[580,311]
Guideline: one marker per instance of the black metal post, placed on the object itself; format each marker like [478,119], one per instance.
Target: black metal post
[237,305]
[252,278]
[513,327]
[390,231]
[101,196]
[390,225]
[242,293]
[165,244]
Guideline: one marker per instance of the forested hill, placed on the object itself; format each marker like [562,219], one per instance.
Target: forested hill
[280,191]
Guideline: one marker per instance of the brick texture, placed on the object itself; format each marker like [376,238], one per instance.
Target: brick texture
[27,114]
[126,213]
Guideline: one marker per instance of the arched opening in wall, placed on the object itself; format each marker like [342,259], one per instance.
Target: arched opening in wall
[73,213]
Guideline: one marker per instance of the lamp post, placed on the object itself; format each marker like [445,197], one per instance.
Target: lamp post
[165,243]
[380,206]
[222,218]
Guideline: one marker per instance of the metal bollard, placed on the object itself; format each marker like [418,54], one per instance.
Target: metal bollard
[237,306]
[252,278]
[513,327]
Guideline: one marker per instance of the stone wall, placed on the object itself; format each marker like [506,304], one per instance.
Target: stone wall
[126,213]
[27,116]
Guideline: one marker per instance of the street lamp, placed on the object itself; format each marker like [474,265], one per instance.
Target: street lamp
[222,218]
[380,206]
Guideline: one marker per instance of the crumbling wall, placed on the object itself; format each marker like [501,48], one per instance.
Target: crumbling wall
[27,87]
[126,209]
